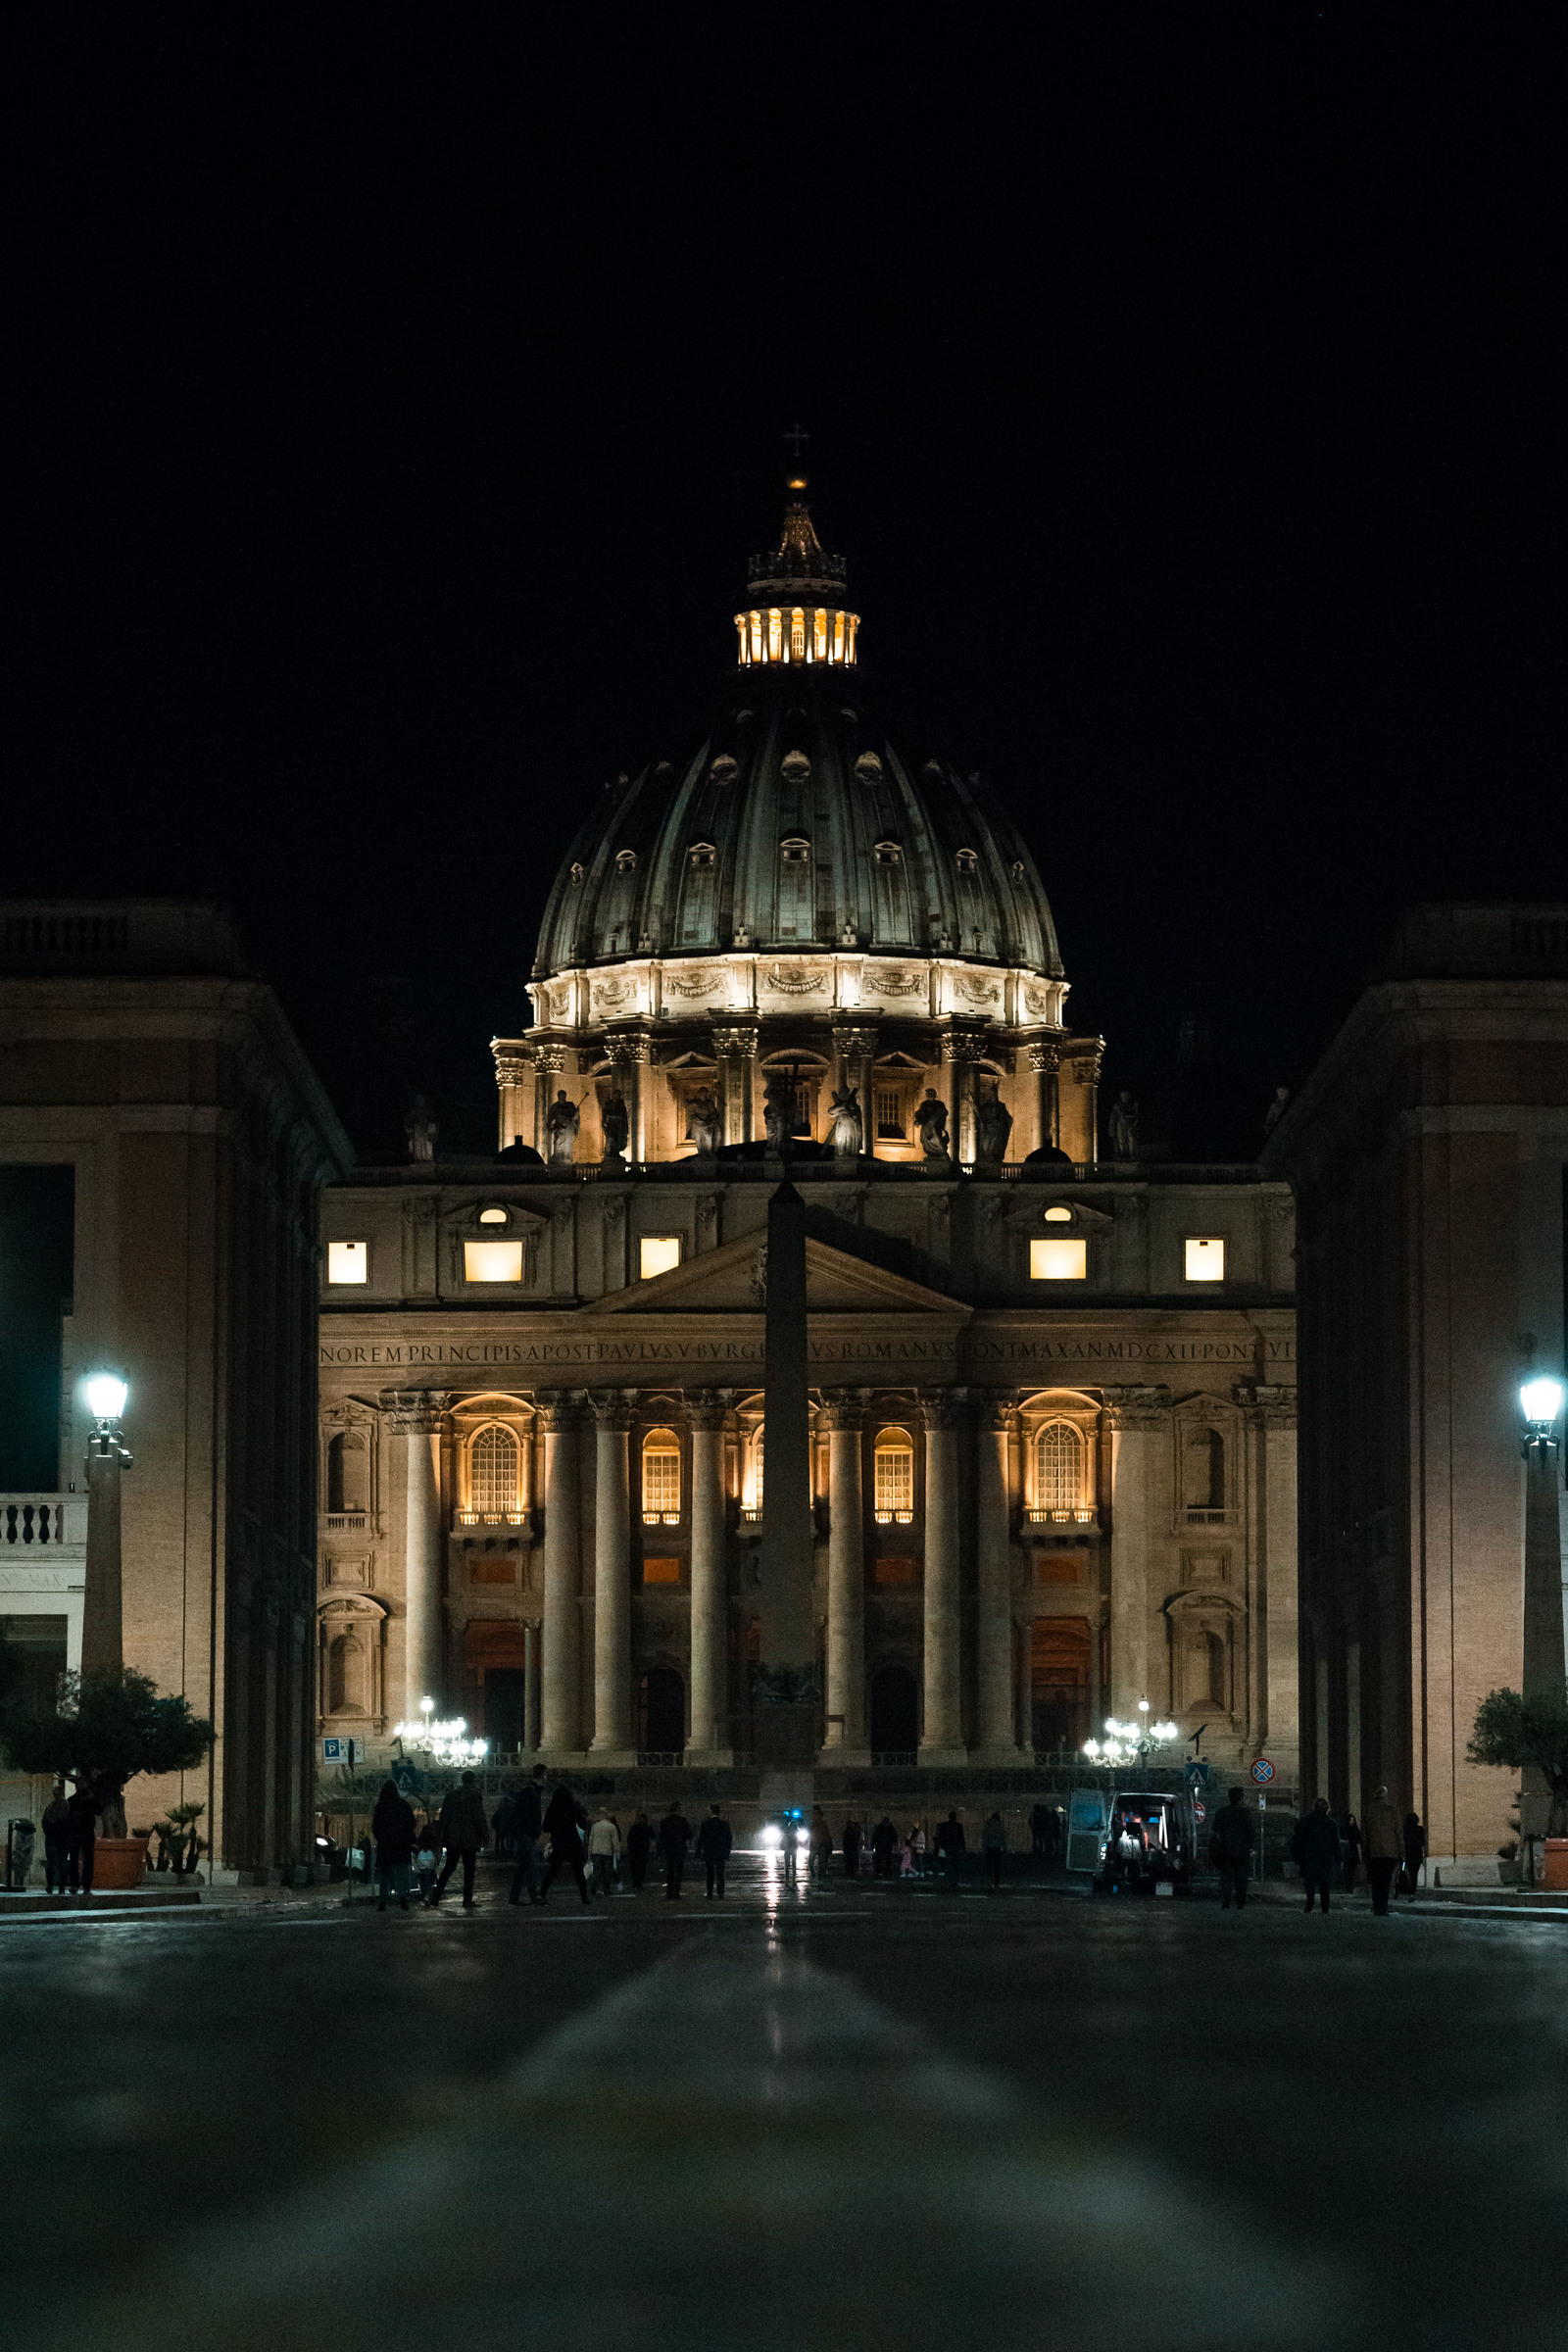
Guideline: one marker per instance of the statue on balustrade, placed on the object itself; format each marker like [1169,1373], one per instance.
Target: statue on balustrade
[993,1124]
[561,1122]
[1124,1126]
[616,1122]
[778,1114]
[702,1123]
[846,1132]
[931,1125]
[421,1129]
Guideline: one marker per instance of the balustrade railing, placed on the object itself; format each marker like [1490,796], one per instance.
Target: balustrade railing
[39,1523]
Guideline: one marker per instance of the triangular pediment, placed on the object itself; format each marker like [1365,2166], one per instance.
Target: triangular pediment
[730,1281]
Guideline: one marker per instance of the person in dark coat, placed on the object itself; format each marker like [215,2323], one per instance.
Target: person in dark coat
[713,1842]
[851,1848]
[674,1840]
[564,1825]
[1384,1849]
[1045,1834]
[1353,1850]
[1416,1851]
[81,1808]
[57,1842]
[884,1841]
[1231,1847]
[994,1847]
[1317,1851]
[392,1827]
[462,1830]
[639,1845]
[951,1845]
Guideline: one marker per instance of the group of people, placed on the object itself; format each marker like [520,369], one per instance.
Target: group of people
[545,1829]
[880,1852]
[69,1838]
[1391,1852]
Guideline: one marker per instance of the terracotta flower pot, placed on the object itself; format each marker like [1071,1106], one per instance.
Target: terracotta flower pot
[1556,1881]
[118,1863]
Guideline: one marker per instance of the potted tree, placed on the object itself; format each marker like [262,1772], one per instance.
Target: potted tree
[100,1731]
[1518,1733]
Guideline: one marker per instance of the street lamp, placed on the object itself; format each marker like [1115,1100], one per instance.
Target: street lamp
[1126,1742]
[1545,1671]
[103,1639]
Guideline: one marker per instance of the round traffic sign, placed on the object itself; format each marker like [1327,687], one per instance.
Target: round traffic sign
[1199,1810]
[1262,1771]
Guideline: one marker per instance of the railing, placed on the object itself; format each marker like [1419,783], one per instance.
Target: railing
[658,1758]
[895,1760]
[750,1517]
[488,1519]
[1061,1518]
[1195,1518]
[43,1522]
[660,1518]
[893,1518]
[345,1523]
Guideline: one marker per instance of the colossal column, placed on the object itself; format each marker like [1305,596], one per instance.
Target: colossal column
[415,1415]
[735,1049]
[709,1651]
[1045,1061]
[786,1715]
[1139,1421]
[514,1086]
[558,1676]
[611,1579]
[845,1577]
[941,1740]
[547,1063]
[994,1663]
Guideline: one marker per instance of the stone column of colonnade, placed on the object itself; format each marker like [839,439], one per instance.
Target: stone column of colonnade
[562,1419]
[708,1735]
[997,1736]
[611,1580]
[415,1415]
[1140,1423]
[844,1710]
[942,1734]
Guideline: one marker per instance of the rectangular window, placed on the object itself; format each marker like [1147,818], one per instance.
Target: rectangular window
[348,1261]
[895,1485]
[1058,1262]
[1205,1260]
[656,1254]
[660,1572]
[888,1125]
[492,1261]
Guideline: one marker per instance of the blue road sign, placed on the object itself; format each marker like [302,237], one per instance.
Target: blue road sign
[1262,1771]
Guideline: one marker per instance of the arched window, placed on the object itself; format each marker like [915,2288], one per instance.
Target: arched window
[892,1460]
[751,1502]
[348,1473]
[345,1677]
[660,1479]
[494,1486]
[1059,1468]
[1204,1472]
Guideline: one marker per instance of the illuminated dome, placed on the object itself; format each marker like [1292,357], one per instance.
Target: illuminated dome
[798,823]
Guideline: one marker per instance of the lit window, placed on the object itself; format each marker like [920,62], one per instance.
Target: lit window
[1206,1260]
[1059,1468]
[820,635]
[492,1261]
[626,860]
[893,1485]
[701,856]
[348,1261]
[795,851]
[968,862]
[661,1478]
[1059,1216]
[492,1217]
[656,1254]
[797,635]
[757,1473]
[1058,1262]
[775,627]
[493,1473]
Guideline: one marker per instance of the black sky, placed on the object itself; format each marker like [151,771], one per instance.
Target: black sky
[395,394]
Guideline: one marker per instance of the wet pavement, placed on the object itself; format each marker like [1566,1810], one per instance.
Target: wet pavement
[873,2117]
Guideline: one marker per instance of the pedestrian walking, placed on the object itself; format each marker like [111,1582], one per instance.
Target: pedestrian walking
[1317,1851]
[81,1809]
[564,1824]
[950,1847]
[851,1848]
[392,1827]
[675,1840]
[57,1842]
[1044,1834]
[463,1830]
[917,1850]
[884,1841]
[714,1844]
[906,1857]
[1416,1851]
[503,1822]
[639,1845]
[1384,1849]
[604,1851]
[994,1845]
[1231,1847]
[425,1859]
[528,1806]
[821,1847]
[1353,1850]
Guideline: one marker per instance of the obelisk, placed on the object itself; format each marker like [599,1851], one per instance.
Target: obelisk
[786,1683]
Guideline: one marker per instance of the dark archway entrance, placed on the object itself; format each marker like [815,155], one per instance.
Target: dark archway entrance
[503,1708]
[662,1712]
[894,1713]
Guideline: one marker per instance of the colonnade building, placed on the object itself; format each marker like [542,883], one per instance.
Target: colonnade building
[1053,1452]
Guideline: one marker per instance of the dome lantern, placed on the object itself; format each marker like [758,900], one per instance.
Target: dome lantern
[797,611]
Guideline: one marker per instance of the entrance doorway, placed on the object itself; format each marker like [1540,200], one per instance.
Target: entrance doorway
[662,1712]
[894,1713]
[1059,1684]
[503,1708]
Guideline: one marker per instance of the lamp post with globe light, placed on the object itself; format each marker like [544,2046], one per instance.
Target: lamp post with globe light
[1127,1743]
[103,1646]
[1545,1668]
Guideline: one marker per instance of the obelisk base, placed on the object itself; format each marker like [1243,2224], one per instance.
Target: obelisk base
[786,1754]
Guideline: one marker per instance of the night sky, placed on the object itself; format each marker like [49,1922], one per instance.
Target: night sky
[395,395]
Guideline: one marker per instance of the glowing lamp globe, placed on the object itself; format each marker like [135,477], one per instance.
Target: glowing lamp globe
[106,1395]
[1541,1401]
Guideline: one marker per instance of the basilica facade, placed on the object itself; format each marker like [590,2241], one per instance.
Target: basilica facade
[1051,1387]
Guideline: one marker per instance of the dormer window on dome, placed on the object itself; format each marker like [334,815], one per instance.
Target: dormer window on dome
[797,614]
